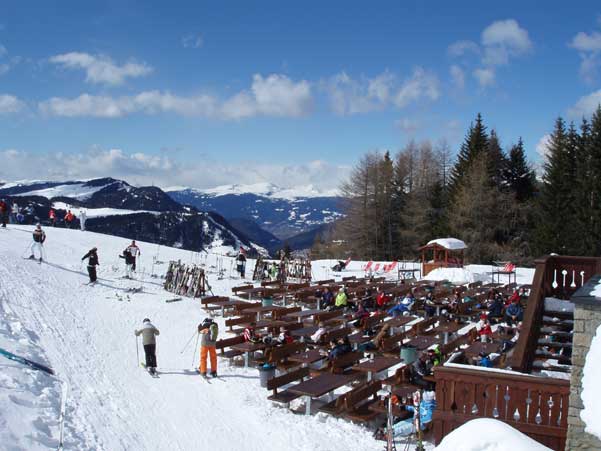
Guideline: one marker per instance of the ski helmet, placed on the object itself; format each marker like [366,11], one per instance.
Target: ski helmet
[146,320]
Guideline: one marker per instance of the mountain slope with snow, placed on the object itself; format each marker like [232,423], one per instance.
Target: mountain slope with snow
[86,334]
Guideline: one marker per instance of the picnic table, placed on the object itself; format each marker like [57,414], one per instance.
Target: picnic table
[260,310]
[474,350]
[307,357]
[422,342]
[304,314]
[319,386]
[247,348]
[399,321]
[304,332]
[226,304]
[448,328]
[374,366]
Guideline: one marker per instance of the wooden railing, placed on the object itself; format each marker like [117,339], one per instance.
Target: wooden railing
[555,276]
[536,406]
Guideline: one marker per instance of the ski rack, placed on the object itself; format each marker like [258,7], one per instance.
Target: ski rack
[185,280]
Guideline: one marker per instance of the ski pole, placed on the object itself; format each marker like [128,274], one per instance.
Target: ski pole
[187,343]
[137,353]
[195,346]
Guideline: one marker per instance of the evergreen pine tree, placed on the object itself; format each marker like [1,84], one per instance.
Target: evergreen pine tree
[520,176]
[593,187]
[497,161]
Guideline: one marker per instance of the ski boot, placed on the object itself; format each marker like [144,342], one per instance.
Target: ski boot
[31,257]
[213,373]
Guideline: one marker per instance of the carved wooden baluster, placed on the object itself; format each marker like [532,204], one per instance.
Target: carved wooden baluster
[554,284]
[495,411]
[573,284]
[581,278]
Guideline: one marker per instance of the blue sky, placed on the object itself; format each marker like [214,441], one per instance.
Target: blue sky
[206,93]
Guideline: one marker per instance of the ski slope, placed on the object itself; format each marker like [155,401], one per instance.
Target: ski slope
[86,335]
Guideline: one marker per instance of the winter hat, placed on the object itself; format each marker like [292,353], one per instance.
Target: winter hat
[146,320]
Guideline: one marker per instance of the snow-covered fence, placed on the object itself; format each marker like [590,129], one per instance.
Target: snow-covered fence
[185,280]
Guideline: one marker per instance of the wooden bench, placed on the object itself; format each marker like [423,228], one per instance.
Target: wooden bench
[340,364]
[286,396]
[242,288]
[278,355]
[325,316]
[226,343]
[280,314]
[231,322]
[335,334]
[357,402]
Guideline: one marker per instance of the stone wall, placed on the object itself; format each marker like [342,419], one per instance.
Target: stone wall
[586,320]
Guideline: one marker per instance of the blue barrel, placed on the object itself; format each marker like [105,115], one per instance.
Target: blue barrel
[408,354]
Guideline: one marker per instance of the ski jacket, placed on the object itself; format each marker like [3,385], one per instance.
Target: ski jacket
[341,300]
[129,258]
[209,334]
[381,299]
[133,250]
[148,333]
[39,236]
[69,217]
[92,257]
[51,214]
[3,207]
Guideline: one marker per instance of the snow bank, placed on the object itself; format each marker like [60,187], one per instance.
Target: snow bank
[455,275]
[75,191]
[486,434]
[100,212]
[449,243]
[591,390]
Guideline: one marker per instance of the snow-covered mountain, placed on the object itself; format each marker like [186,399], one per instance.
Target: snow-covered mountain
[117,208]
[282,212]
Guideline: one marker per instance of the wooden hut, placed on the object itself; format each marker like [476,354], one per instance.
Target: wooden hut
[442,253]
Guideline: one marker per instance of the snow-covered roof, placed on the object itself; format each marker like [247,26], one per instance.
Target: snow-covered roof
[448,243]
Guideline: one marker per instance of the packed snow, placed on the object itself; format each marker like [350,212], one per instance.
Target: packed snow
[486,434]
[591,393]
[86,335]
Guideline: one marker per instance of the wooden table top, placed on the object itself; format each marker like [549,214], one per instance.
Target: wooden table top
[477,347]
[261,309]
[304,313]
[248,346]
[400,321]
[304,332]
[377,364]
[423,342]
[311,356]
[320,385]
[449,327]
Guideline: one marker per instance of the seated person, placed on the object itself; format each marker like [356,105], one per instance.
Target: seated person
[341,299]
[339,348]
[376,342]
[435,355]
[514,313]
[321,330]
[409,300]
[419,369]
[249,334]
[368,300]
[484,360]
[508,344]
[429,305]
[398,310]
[495,308]
[381,299]
[327,298]
[484,331]
[284,337]
[360,315]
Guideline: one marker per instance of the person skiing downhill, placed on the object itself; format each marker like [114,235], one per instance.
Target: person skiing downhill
[92,257]
[209,330]
[134,250]
[38,242]
[241,264]
[149,332]
[69,217]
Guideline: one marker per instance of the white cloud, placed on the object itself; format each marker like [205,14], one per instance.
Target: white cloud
[3,51]
[499,42]
[457,76]
[274,95]
[586,105]
[351,96]
[461,48]
[407,125]
[193,41]
[162,170]
[503,39]
[101,69]
[484,76]
[542,147]
[589,49]
[10,104]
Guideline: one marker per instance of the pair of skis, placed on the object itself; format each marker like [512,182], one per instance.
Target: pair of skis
[153,373]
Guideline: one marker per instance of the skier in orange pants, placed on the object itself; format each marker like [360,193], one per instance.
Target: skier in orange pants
[209,331]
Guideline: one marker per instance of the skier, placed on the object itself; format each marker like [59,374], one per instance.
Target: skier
[241,264]
[149,332]
[92,257]
[69,217]
[129,262]
[82,220]
[134,250]
[3,212]
[209,330]
[14,213]
[52,217]
[38,242]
